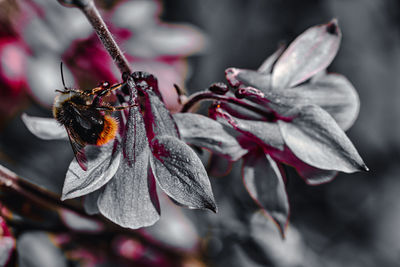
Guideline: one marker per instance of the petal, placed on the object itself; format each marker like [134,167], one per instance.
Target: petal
[135,15]
[266,133]
[168,74]
[202,131]
[134,141]
[44,128]
[35,243]
[126,199]
[218,166]
[174,229]
[335,94]
[167,40]
[180,173]
[332,92]
[291,251]
[310,53]
[266,66]
[263,180]
[314,176]
[252,78]
[102,166]
[157,118]
[311,175]
[90,202]
[79,223]
[241,112]
[315,138]
[7,243]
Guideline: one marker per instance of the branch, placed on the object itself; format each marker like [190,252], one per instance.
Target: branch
[92,14]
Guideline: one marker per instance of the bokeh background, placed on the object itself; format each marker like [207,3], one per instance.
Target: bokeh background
[352,221]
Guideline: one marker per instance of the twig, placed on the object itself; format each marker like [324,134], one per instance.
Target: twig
[92,14]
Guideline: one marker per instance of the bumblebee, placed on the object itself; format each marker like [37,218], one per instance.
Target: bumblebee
[86,118]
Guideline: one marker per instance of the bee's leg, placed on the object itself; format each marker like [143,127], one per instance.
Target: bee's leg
[112,108]
[103,89]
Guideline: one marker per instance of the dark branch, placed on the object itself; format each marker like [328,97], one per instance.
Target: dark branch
[89,9]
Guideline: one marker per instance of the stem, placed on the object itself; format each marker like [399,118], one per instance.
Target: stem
[92,14]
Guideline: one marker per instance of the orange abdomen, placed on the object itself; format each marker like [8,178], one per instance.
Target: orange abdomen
[109,131]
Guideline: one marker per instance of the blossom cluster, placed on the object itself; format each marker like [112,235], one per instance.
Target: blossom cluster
[290,111]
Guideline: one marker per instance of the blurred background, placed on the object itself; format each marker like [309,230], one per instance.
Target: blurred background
[351,221]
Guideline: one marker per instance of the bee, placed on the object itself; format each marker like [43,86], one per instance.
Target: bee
[86,118]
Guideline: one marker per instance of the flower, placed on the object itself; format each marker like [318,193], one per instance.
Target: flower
[121,177]
[40,42]
[289,111]
[7,243]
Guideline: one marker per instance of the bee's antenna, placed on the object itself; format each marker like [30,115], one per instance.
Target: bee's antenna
[62,75]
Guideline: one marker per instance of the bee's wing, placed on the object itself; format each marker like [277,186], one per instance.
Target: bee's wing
[77,148]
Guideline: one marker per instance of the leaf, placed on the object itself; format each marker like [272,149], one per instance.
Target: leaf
[308,54]
[202,131]
[44,128]
[102,165]
[263,181]
[180,173]
[126,199]
[315,138]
